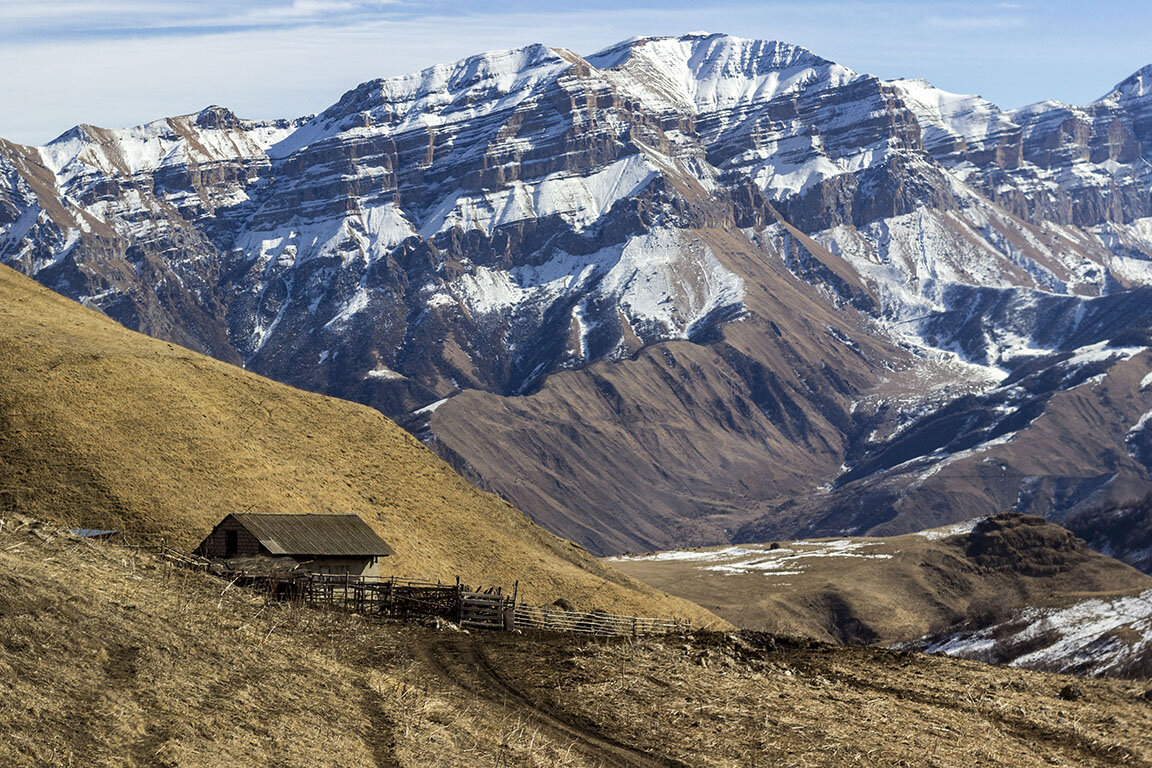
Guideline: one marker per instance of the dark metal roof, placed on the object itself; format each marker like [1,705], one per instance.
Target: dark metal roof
[311,534]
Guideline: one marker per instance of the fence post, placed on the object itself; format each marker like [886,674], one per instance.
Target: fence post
[510,622]
[508,615]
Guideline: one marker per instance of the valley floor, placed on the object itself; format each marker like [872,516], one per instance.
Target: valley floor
[110,657]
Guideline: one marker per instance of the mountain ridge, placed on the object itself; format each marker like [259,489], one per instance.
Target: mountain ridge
[488,225]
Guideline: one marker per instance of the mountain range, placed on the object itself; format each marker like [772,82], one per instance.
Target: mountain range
[682,291]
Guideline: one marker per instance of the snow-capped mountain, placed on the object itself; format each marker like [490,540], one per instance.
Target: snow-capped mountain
[653,294]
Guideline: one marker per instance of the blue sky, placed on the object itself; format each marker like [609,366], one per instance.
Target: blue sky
[123,62]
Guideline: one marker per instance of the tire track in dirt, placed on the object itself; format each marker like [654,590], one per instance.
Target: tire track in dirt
[459,660]
[380,738]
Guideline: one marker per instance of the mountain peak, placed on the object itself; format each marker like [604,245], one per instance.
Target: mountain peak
[705,72]
[448,93]
[216,117]
[1136,86]
[704,47]
[701,68]
[78,132]
[502,71]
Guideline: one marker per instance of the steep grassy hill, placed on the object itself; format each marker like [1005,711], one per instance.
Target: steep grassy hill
[101,427]
[110,657]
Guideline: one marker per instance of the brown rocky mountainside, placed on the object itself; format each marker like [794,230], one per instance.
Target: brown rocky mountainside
[110,657]
[1032,443]
[1123,531]
[934,583]
[684,441]
[101,427]
[681,290]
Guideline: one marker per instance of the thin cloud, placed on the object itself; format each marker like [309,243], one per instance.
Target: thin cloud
[66,20]
[975,23]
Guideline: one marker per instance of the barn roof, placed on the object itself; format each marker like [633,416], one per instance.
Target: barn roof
[312,534]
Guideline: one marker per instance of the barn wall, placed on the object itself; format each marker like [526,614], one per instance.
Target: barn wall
[353,566]
[214,545]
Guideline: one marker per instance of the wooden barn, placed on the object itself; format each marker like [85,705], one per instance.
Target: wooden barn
[340,544]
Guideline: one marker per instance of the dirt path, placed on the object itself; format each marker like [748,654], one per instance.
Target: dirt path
[461,660]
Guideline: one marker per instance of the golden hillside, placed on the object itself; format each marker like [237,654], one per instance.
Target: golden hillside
[105,428]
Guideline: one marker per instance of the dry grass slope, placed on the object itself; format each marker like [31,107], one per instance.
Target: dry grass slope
[105,428]
[109,657]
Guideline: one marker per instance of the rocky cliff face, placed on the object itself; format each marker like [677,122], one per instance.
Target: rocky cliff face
[654,294]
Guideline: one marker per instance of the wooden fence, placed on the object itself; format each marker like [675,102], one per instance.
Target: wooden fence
[404,598]
[594,623]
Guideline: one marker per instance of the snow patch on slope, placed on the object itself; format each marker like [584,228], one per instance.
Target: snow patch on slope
[431,407]
[384,373]
[786,560]
[669,281]
[1098,636]
[958,529]
[950,117]
[357,303]
[665,281]
[580,200]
